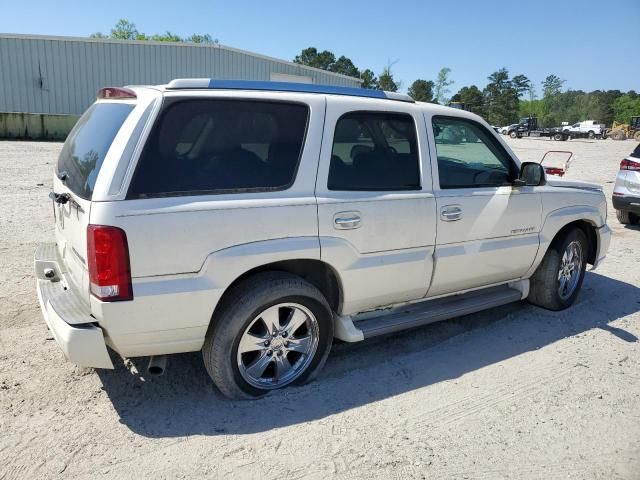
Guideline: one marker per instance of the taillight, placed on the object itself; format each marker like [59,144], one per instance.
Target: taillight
[108,261]
[627,164]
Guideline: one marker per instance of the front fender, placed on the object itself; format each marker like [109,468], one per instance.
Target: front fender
[556,220]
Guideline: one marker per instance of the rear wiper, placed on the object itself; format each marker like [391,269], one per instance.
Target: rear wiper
[60,198]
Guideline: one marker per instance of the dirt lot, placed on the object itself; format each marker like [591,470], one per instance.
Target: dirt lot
[517,392]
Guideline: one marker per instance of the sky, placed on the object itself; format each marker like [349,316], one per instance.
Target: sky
[590,44]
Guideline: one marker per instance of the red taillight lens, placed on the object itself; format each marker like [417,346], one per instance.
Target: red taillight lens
[554,171]
[627,164]
[108,261]
[116,93]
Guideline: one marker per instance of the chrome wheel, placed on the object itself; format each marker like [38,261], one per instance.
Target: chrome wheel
[570,270]
[278,346]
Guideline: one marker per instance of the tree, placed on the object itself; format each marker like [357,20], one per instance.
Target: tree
[472,98]
[312,58]
[552,85]
[501,99]
[344,66]
[625,107]
[521,84]
[369,80]
[386,81]
[124,30]
[441,89]
[421,90]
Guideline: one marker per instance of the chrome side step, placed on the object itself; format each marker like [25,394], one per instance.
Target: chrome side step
[430,311]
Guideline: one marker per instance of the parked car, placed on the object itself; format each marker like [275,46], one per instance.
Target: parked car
[508,129]
[626,192]
[589,128]
[258,221]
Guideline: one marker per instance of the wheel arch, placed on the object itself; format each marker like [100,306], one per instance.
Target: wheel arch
[590,231]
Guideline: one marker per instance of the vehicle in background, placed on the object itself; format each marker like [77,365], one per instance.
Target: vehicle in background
[588,128]
[556,162]
[626,192]
[528,127]
[506,130]
[622,131]
[497,129]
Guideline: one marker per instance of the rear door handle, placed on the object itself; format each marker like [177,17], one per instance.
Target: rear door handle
[347,220]
[451,213]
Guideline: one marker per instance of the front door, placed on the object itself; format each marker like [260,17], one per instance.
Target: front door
[487,228]
[376,209]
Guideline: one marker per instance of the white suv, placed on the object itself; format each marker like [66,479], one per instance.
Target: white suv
[258,221]
[626,191]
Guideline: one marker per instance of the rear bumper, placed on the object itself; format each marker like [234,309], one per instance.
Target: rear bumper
[66,314]
[604,239]
[627,203]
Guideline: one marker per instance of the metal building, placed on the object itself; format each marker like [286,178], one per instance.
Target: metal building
[61,75]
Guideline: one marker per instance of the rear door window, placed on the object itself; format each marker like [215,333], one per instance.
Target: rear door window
[221,146]
[374,151]
[88,143]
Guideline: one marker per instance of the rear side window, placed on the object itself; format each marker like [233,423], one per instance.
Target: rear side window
[88,143]
[217,146]
[374,151]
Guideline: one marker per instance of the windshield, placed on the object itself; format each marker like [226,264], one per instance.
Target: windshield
[88,143]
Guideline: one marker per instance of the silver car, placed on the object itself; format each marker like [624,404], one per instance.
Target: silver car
[626,193]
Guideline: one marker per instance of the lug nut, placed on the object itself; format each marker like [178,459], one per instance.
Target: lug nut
[267,343]
[284,334]
[286,344]
[269,353]
[279,353]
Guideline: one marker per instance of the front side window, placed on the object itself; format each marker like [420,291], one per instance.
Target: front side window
[469,156]
[207,145]
[374,151]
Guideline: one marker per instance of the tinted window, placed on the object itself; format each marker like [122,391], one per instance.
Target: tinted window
[202,146]
[636,152]
[374,151]
[469,155]
[87,145]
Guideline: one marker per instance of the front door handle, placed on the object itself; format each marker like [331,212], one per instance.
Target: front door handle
[451,213]
[347,220]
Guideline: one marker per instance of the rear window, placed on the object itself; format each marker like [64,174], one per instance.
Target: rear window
[88,143]
[636,152]
[218,146]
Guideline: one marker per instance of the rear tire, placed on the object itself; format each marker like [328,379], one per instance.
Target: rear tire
[618,135]
[591,134]
[513,134]
[625,217]
[558,137]
[559,263]
[240,318]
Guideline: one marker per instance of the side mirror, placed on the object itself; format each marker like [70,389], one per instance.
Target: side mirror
[531,175]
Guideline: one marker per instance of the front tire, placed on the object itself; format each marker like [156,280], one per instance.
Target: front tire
[557,281]
[272,330]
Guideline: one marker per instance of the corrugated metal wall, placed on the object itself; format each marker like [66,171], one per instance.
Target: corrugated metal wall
[61,75]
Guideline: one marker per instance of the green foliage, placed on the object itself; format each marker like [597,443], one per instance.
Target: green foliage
[472,98]
[386,80]
[369,80]
[501,99]
[344,66]
[312,58]
[126,30]
[441,88]
[421,90]
[552,85]
[626,106]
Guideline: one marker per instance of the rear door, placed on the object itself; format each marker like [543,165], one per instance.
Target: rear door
[78,167]
[487,229]
[376,209]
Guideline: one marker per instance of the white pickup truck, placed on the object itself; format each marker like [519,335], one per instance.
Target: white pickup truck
[258,221]
[588,128]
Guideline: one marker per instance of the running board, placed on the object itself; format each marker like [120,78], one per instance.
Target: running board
[430,311]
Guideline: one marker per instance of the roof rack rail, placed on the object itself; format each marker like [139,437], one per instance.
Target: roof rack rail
[208,83]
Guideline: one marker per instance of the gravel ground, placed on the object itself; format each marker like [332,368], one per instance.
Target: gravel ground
[517,392]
